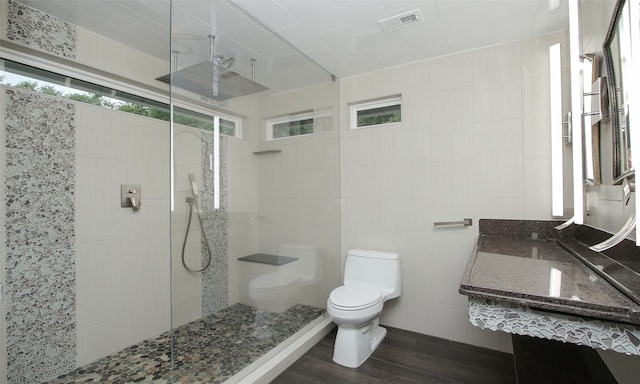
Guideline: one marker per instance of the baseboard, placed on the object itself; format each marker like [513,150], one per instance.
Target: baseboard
[281,360]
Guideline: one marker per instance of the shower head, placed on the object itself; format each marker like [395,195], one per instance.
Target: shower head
[213,80]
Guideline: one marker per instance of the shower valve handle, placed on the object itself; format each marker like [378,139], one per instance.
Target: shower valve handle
[134,203]
[130,196]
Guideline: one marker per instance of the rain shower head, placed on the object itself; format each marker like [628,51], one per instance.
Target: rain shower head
[213,81]
[212,78]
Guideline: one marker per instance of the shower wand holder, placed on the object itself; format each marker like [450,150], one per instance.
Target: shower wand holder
[130,196]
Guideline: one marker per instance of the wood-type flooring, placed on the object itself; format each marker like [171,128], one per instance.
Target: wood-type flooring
[405,357]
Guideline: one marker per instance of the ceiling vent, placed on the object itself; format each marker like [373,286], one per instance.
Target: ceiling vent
[401,21]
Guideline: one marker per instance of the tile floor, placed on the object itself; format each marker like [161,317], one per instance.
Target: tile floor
[209,350]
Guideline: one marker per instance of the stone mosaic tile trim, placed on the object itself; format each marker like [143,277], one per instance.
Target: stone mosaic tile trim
[36,29]
[209,350]
[215,281]
[512,318]
[39,225]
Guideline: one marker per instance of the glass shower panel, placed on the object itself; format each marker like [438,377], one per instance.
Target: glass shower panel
[254,223]
[85,279]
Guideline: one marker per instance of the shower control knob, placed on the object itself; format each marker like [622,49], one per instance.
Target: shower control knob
[130,196]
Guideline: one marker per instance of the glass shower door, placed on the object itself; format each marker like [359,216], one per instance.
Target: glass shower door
[254,222]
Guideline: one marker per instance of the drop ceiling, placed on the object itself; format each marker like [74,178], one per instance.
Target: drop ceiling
[299,42]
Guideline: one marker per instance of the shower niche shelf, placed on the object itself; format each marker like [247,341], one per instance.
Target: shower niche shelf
[263,258]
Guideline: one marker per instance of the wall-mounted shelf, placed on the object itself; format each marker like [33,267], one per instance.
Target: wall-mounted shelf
[267,152]
[264,258]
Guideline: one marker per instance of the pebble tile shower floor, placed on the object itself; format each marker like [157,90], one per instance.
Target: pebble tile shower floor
[209,350]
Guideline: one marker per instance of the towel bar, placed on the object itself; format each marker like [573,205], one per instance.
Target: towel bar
[466,222]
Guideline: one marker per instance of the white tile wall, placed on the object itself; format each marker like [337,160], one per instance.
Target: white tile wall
[104,54]
[296,192]
[243,207]
[451,124]
[452,191]
[122,262]
[498,156]
[479,151]
[497,83]
[410,159]
[186,291]
[537,188]
[451,72]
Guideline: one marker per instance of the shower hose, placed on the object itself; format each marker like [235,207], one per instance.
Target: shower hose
[192,201]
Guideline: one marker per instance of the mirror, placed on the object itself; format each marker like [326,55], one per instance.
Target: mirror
[617,56]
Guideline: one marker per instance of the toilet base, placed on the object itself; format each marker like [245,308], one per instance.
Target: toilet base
[354,345]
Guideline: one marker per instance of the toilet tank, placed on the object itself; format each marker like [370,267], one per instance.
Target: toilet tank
[307,256]
[375,268]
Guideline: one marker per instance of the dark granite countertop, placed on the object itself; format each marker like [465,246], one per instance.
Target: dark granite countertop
[537,268]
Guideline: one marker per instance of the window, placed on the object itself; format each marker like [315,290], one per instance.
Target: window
[299,124]
[230,127]
[378,112]
[34,79]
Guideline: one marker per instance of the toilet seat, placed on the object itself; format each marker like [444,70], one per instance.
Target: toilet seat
[355,297]
[272,282]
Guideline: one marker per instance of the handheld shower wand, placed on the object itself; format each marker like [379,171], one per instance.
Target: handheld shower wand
[194,200]
[194,187]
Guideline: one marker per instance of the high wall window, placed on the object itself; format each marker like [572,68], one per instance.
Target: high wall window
[38,80]
[377,112]
[299,124]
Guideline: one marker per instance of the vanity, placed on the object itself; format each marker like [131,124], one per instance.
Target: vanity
[565,294]
[545,286]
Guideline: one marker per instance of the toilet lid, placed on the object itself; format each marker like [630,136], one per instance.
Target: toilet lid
[272,281]
[353,297]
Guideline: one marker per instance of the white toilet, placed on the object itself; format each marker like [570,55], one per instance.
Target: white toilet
[278,291]
[370,279]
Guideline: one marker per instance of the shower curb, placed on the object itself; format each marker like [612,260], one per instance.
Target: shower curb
[277,363]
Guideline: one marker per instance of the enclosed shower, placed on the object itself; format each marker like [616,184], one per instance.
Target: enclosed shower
[162,290]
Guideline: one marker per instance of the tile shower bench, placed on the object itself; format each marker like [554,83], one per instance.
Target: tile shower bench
[527,278]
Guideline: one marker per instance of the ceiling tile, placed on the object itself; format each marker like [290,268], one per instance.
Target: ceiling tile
[255,39]
[448,7]
[363,15]
[512,22]
[341,35]
[465,30]
[400,6]
[271,13]
[425,42]
[341,41]
[317,15]
[219,15]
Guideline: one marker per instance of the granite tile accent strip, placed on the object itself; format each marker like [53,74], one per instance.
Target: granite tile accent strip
[209,350]
[39,226]
[515,319]
[215,280]
[36,29]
